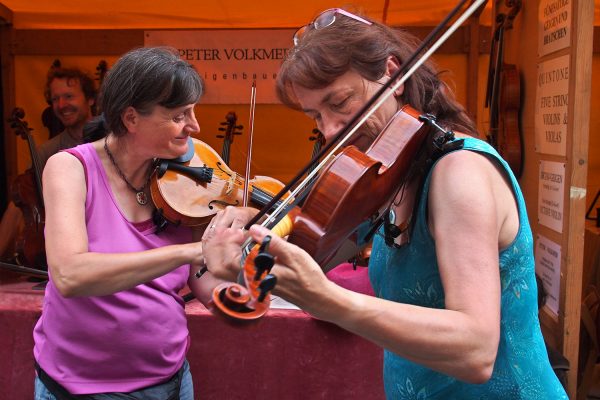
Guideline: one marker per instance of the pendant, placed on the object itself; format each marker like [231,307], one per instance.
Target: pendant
[141,198]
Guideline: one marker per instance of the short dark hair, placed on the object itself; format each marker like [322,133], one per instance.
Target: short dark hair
[146,77]
[70,74]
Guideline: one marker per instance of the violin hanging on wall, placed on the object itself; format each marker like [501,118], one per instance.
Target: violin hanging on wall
[49,119]
[231,128]
[503,95]
[26,193]
[101,70]
[317,137]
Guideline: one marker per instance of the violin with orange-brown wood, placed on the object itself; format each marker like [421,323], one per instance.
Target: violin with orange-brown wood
[191,189]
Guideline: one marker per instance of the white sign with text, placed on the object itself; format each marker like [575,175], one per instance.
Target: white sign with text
[551,195]
[547,266]
[230,60]
[551,106]
[554,25]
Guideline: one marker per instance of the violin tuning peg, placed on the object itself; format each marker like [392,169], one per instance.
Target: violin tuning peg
[222,129]
[220,136]
[239,127]
[265,286]
[263,262]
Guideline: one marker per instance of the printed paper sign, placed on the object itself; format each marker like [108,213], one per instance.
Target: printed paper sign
[551,106]
[547,267]
[554,25]
[230,60]
[551,195]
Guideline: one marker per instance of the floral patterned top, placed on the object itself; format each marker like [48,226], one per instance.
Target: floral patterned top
[410,274]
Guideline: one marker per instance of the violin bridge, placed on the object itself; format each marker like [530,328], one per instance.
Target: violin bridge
[231,183]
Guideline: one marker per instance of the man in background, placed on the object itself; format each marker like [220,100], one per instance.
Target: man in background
[72,94]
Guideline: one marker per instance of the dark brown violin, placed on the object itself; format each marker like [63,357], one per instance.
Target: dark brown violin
[504,96]
[26,193]
[190,190]
[101,70]
[352,187]
[231,128]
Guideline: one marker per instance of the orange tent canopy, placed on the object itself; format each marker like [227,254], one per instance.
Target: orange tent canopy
[194,14]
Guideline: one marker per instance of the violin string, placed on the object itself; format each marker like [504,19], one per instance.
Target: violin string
[250,137]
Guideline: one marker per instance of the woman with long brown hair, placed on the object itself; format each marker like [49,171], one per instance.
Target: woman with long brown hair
[456,305]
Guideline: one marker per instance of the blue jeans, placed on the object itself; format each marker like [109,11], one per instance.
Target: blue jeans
[186,391]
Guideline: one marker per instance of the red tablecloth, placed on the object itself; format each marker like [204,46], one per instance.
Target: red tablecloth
[285,355]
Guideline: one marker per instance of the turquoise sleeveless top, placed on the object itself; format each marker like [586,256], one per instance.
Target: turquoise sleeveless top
[410,275]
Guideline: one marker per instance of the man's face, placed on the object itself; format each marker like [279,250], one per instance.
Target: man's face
[69,102]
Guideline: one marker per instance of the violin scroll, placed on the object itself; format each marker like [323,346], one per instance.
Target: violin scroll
[231,128]
[250,299]
[18,124]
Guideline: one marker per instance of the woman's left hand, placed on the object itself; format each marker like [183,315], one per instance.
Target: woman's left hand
[222,240]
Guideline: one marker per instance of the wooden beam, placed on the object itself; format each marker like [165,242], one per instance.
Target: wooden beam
[118,41]
[6,15]
[474,50]
[76,41]
[459,42]
[580,84]
[8,99]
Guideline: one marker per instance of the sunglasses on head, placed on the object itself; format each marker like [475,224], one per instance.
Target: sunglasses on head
[325,19]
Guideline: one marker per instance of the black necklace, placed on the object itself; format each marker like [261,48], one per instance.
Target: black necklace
[140,194]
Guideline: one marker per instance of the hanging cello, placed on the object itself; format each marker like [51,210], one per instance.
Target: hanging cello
[351,188]
[27,195]
[230,129]
[503,95]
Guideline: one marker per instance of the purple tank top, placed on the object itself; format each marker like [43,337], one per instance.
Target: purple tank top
[124,341]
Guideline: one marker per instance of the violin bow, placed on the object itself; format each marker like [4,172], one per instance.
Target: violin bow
[386,90]
[250,136]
